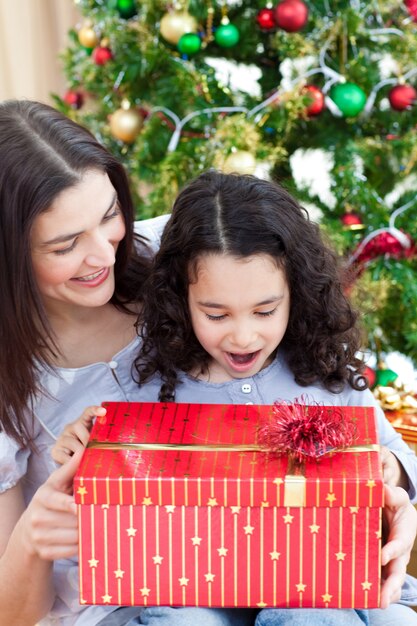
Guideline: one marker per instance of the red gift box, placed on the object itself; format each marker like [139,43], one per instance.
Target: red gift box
[179,505]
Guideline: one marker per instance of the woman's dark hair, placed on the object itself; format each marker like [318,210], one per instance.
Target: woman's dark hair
[244,216]
[42,153]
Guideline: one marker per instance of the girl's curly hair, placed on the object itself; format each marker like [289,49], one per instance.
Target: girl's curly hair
[244,216]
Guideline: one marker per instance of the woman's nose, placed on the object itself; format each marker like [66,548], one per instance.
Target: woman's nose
[101,253]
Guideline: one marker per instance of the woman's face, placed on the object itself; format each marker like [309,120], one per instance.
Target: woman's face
[74,243]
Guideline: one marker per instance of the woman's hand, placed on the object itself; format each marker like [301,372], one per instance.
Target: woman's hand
[392,469]
[399,519]
[49,525]
[75,435]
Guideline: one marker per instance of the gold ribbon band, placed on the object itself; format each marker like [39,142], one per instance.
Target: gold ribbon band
[207,447]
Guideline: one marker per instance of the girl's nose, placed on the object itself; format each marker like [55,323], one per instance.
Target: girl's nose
[243,336]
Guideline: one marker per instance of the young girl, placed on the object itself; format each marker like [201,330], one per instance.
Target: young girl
[244,305]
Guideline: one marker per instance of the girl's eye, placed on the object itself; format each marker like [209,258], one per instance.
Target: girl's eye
[266,313]
[66,250]
[215,318]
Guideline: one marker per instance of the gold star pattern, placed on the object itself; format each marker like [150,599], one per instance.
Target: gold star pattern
[301,587]
[354,509]
[264,503]
[371,483]
[212,502]
[183,581]
[340,556]
[170,508]
[326,597]
[235,510]
[261,605]
[147,501]
[131,532]
[196,541]
[104,506]
[366,585]
[106,599]
[378,534]
[82,491]
[248,529]
[314,528]
[222,551]
[275,555]
[93,562]
[157,559]
[278,481]
[209,577]
[145,591]
[330,498]
[288,518]
[119,573]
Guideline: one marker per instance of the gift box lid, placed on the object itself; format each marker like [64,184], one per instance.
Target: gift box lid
[171,454]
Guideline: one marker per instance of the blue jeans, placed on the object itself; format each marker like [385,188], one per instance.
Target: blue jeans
[312,617]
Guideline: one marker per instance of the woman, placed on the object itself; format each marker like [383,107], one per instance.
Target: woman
[71,272]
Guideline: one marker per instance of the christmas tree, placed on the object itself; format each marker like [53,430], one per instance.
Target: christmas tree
[334,85]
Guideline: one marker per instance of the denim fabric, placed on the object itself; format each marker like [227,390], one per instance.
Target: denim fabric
[189,616]
[394,615]
[312,617]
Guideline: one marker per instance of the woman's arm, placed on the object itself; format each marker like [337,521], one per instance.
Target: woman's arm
[30,540]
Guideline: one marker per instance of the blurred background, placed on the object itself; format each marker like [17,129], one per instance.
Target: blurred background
[317,95]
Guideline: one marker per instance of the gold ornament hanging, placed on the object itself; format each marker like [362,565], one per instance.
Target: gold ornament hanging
[126,123]
[87,36]
[239,162]
[175,24]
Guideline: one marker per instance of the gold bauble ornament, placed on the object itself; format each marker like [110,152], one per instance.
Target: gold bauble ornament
[175,24]
[126,123]
[87,36]
[240,162]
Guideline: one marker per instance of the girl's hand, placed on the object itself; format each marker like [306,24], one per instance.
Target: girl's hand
[49,524]
[392,469]
[399,520]
[75,435]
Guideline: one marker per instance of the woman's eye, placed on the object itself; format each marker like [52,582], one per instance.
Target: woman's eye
[215,318]
[115,213]
[66,250]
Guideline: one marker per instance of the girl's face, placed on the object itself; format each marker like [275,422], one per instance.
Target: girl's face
[74,243]
[239,311]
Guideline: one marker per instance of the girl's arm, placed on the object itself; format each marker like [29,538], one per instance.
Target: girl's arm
[30,539]
[75,435]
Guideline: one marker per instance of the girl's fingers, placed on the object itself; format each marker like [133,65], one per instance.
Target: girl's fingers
[90,413]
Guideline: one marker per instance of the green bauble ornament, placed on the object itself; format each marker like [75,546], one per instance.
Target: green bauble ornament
[126,8]
[385,377]
[227,35]
[349,98]
[190,43]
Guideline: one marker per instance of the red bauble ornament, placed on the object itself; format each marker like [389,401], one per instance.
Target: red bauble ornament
[386,244]
[412,8]
[291,15]
[101,55]
[266,19]
[402,97]
[74,99]
[370,375]
[352,221]
[316,96]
